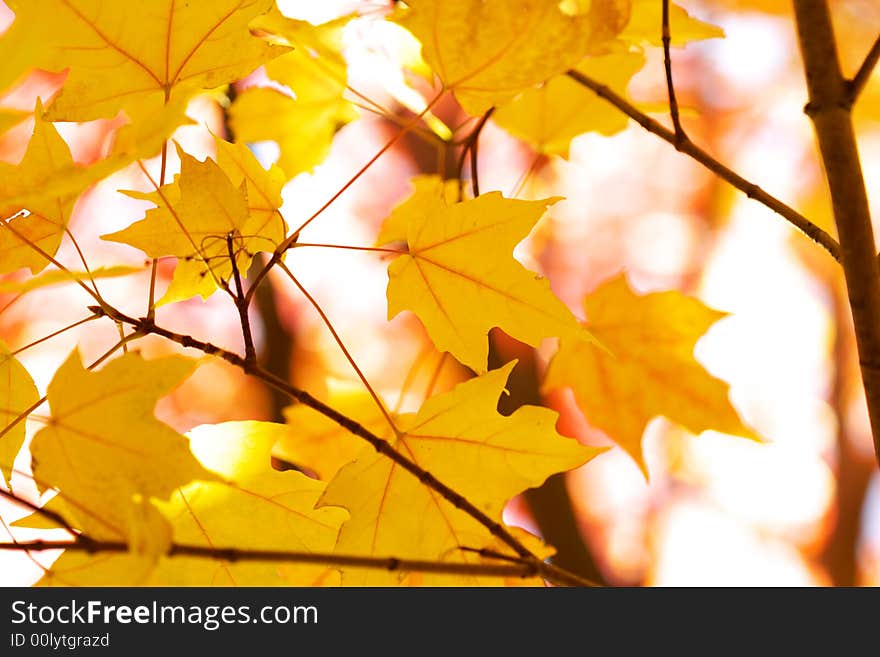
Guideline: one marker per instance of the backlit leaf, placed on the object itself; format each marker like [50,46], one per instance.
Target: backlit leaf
[460,278]
[650,369]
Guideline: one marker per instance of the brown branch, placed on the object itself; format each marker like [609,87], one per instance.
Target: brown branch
[145,326]
[471,144]
[666,37]
[83,544]
[832,120]
[250,353]
[857,84]
[687,147]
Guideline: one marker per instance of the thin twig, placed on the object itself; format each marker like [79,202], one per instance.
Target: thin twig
[670,87]
[84,544]
[48,514]
[470,146]
[342,347]
[857,84]
[250,352]
[750,189]
[52,335]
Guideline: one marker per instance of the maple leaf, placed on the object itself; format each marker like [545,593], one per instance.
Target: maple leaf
[135,57]
[103,448]
[461,439]
[647,16]
[650,369]
[197,213]
[303,124]
[487,51]
[459,277]
[17,394]
[48,178]
[47,154]
[254,507]
[250,506]
[549,117]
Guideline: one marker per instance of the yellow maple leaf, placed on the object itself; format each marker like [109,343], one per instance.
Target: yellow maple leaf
[254,507]
[135,57]
[198,214]
[17,394]
[56,176]
[645,24]
[49,212]
[650,369]
[549,117]
[460,278]
[250,507]
[487,51]
[303,124]
[103,448]
[461,439]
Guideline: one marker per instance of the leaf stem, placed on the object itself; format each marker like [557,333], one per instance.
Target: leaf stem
[342,347]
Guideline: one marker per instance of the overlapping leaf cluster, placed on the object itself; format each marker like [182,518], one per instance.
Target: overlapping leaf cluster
[122,475]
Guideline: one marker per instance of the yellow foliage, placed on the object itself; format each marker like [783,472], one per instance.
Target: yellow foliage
[103,448]
[202,211]
[550,116]
[133,56]
[303,124]
[459,277]
[17,394]
[488,51]
[461,439]
[650,369]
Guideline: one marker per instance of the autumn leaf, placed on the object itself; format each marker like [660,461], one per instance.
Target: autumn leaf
[459,277]
[17,394]
[650,369]
[488,51]
[644,25]
[460,438]
[254,507]
[250,506]
[549,117]
[135,57]
[303,122]
[48,213]
[103,448]
[198,214]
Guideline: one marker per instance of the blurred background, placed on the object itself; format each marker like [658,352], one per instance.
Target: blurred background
[802,509]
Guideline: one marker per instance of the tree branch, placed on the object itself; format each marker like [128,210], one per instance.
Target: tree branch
[857,84]
[687,147]
[510,568]
[145,326]
[829,110]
